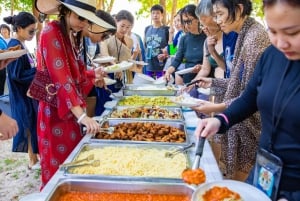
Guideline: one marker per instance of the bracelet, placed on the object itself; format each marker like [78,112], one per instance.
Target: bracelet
[0,112]
[224,116]
[81,117]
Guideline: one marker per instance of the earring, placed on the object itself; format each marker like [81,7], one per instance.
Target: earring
[42,17]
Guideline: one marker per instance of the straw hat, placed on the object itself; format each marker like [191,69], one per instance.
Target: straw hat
[83,8]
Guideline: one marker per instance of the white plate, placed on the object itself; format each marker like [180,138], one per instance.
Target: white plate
[140,78]
[204,91]
[186,101]
[184,71]
[142,63]
[162,80]
[104,59]
[109,81]
[110,104]
[12,54]
[124,65]
[246,191]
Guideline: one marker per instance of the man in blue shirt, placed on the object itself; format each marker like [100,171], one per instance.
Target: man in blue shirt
[156,39]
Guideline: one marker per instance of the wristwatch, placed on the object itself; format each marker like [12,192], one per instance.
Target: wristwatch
[0,112]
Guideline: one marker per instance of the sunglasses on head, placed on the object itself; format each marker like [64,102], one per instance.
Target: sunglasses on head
[83,19]
[188,22]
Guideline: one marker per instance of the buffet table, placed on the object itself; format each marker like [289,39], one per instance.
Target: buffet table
[208,162]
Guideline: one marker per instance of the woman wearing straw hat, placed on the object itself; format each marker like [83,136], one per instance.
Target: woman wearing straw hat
[59,50]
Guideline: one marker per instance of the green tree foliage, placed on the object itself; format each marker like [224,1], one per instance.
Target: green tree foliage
[257,8]
[147,4]
[20,5]
[26,5]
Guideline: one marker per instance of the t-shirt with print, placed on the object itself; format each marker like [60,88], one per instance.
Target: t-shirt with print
[229,41]
[155,40]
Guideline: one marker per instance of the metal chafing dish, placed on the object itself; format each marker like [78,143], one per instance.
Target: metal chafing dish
[149,90]
[164,148]
[174,110]
[113,122]
[137,100]
[104,186]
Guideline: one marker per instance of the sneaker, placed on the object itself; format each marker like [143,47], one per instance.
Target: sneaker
[36,166]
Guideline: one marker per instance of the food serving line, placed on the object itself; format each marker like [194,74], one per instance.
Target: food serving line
[64,180]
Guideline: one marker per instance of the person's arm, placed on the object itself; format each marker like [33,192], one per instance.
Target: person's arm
[206,67]
[8,126]
[233,115]
[211,43]
[5,62]
[67,92]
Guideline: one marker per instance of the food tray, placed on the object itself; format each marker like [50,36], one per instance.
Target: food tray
[146,138]
[146,113]
[105,153]
[137,100]
[149,90]
[90,185]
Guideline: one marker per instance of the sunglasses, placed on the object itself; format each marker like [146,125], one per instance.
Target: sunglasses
[32,32]
[83,19]
[188,22]
[105,34]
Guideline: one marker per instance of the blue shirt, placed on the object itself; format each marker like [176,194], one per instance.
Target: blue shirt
[3,44]
[229,41]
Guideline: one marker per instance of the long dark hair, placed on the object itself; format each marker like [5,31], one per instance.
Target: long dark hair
[23,20]
[63,11]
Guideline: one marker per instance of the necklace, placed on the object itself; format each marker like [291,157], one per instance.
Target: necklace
[118,48]
[76,48]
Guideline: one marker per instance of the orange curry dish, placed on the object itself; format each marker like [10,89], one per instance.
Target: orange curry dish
[191,176]
[220,194]
[83,196]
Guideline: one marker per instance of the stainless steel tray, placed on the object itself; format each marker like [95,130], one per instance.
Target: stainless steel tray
[89,147]
[144,139]
[149,90]
[145,114]
[91,185]
[137,100]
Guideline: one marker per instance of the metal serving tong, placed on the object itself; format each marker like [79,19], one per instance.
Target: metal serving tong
[198,153]
[89,161]
[177,151]
[108,130]
[191,83]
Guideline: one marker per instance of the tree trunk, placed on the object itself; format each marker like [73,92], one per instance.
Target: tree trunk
[174,8]
[163,4]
